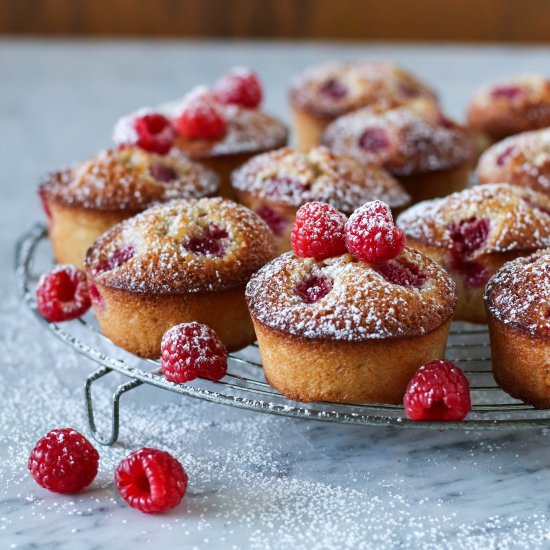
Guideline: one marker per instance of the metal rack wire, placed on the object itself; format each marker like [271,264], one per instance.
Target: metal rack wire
[245,387]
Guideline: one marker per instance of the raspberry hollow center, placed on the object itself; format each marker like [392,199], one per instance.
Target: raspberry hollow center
[407,275]
[314,289]
[273,219]
[507,92]
[505,155]
[116,259]
[162,172]
[284,186]
[469,236]
[209,243]
[374,140]
[334,89]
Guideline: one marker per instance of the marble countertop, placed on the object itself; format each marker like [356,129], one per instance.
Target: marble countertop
[256,481]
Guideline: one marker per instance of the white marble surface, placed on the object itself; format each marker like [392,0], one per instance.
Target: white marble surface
[256,481]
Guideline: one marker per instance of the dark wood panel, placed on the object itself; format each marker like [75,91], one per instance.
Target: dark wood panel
[453,20]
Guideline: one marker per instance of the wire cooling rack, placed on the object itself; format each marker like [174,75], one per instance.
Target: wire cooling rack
[245,387]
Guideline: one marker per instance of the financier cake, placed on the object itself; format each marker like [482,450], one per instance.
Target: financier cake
[323,93]
[277,183]
[507,108]
[474,232]
[221,136]
[83,201]
[427,152]
[347,331]
[518,311]
[522,160]
[188,260]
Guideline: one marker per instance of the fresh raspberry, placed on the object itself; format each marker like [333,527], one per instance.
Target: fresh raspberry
[314,289]
[438,391]
[63,461]
[62,294]
[201,118]
[155,133]
[240,86]
[371,234]
[318,231]
[151,481]
[334,89]
[190,350]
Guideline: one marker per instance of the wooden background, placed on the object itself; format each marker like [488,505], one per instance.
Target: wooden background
[449,20]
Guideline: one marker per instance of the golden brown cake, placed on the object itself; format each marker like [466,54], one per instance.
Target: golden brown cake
[517,299]
[428,153]
[474,232]
[184,261]
[277,183]
[248,133]
[522,160]
[507,108]
[83,201]
[346,331]
[323,93]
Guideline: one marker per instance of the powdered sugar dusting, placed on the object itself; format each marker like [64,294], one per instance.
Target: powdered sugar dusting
[519,293]
[359,83]
[522,160]
[291,177]
[361,304]
[519,219]
[164,263]
[420,139]
[248,130]
[124,179]
[507,108]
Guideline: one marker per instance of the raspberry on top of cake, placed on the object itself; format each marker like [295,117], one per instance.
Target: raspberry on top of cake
[342,298]
[291,177]
[184,246]
[485,219]
[522,160]
[410,139]
[128,179]
[518,295]
[244,130]
[333,89]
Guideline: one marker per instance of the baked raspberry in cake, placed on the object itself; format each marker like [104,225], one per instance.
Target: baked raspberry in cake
[348,331]
[522,160]
[323,93]
[474,232]
[221,136]
[188,260]
[277,183]
[428,153]
[83,201]
[508,108]
[517,299]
